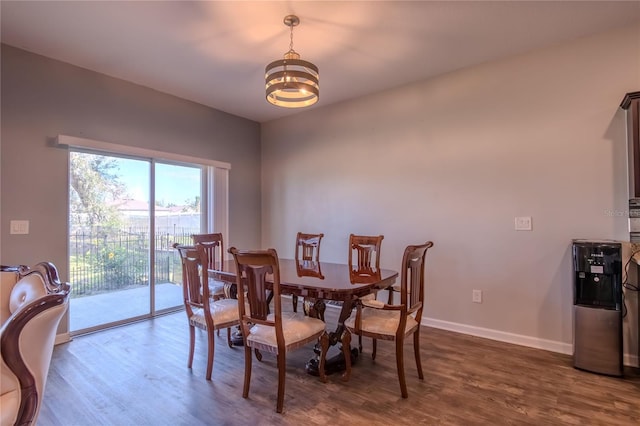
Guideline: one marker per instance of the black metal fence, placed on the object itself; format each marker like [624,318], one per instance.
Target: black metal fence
[104,259]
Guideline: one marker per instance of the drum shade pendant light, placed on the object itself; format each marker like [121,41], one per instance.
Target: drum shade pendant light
[292,82]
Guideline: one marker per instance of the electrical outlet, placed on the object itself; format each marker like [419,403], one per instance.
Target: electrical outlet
[19,227]
[523,223]
[477,296]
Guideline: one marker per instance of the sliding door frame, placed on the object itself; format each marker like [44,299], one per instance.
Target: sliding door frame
[214,213]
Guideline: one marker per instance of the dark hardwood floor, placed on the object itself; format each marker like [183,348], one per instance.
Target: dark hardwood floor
[137,375]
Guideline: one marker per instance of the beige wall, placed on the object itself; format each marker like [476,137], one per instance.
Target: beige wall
[455,159]
[42,98]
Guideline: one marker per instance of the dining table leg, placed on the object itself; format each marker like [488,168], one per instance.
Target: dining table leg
[314,308]
[342,361]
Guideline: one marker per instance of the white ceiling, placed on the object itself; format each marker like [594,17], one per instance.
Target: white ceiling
[214,52]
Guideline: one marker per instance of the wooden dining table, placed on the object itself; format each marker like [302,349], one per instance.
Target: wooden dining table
[318,282]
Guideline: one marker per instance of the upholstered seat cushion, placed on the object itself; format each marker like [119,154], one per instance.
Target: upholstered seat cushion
[379,321]
[370,296]
[216,288]
[223,311]
[296,327]
[372,303]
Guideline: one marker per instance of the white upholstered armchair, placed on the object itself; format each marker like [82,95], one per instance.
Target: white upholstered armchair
[32,302]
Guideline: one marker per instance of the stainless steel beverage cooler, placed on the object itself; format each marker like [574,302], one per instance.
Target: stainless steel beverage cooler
[597,306]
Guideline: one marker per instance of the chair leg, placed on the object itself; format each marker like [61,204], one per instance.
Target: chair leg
[214,298]
[210,350]
[192,343]
[346,351]
[375,349]
[390,300]
[320,308]
[324,348]
[416,351]
[247,371]
[269,299]
[400,366]
[282,366]
[229,337]
[360,343]
[294,302]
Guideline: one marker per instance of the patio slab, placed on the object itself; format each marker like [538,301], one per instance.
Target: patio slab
[88,312]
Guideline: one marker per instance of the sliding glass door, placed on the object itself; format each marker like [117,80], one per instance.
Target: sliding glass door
[124,216]
[178,214]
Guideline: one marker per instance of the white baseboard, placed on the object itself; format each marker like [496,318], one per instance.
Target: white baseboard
[518,339]
[631,360]
[62,338]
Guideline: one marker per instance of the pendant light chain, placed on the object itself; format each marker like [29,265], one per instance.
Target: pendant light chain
[291,40]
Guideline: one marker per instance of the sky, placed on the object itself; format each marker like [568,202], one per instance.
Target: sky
[174,184]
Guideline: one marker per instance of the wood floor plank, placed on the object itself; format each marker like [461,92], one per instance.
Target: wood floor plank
[137,375]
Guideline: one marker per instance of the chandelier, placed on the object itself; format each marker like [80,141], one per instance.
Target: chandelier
[292,82]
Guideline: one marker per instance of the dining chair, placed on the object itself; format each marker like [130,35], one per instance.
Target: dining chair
[366,251]
[307,251]
[271,332]
[202,311]
[379,320]
[213,245]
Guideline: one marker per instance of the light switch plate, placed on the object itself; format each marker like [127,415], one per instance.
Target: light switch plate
[523,223]
[19,227]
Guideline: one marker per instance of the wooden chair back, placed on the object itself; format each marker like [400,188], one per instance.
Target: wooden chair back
[412,278]
[214,247]
[308,246]
[195,288]
[366,250]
